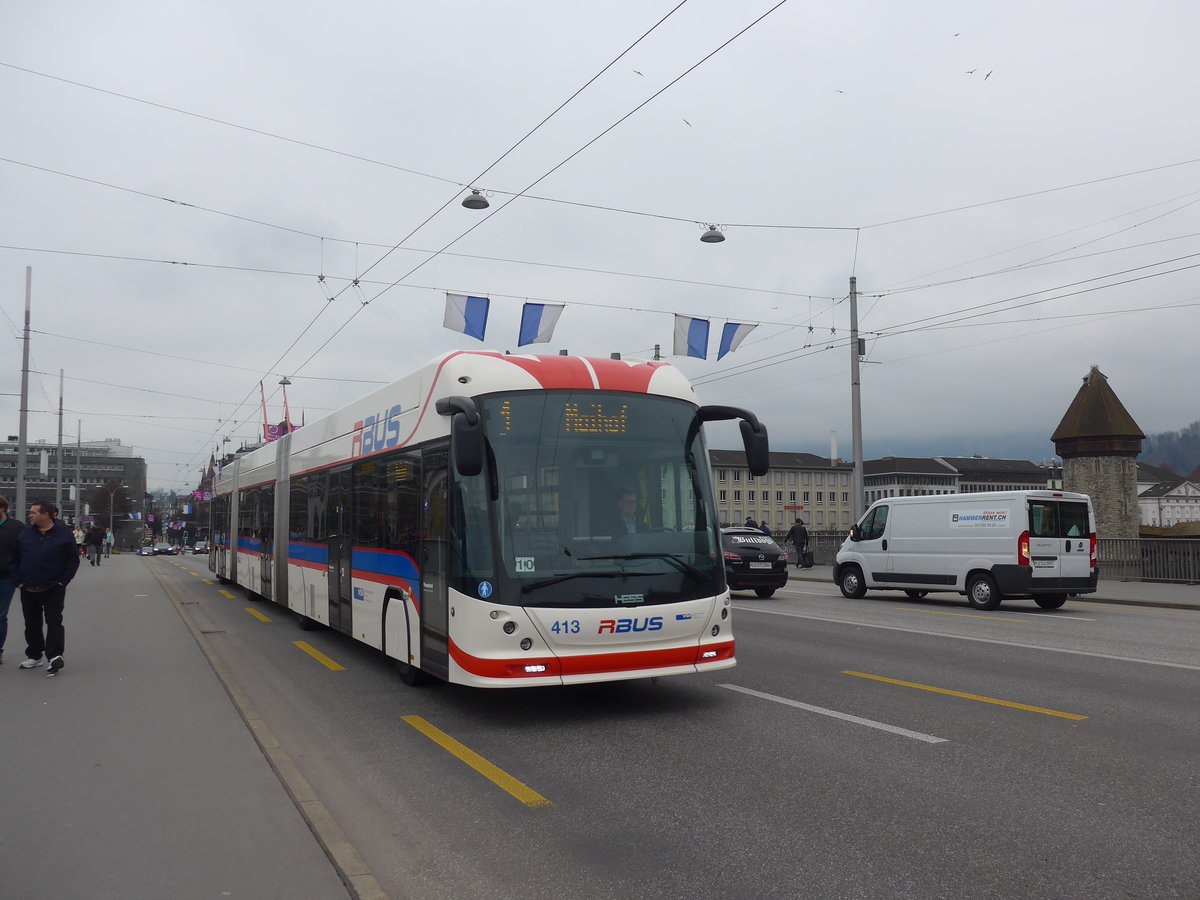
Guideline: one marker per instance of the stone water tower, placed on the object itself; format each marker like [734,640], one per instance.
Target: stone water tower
[1099,443]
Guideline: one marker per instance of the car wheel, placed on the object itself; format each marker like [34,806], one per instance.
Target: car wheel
[981,592]
[917,595]
[764,592]
[852,583]
[1050,601]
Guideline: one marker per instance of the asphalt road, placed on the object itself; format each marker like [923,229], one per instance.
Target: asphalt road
[868,748]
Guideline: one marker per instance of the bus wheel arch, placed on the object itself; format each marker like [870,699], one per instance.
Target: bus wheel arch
[409,674]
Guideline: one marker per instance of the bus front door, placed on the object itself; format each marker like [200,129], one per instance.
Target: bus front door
[337,523]
[435,638]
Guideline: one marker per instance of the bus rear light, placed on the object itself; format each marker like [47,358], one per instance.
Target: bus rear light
[1023,549]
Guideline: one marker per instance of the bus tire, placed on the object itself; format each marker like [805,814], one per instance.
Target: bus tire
[981,591]
[305,623]
[852,583]
[1050,601]
[411,675]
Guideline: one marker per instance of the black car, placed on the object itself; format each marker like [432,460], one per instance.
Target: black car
[753,561]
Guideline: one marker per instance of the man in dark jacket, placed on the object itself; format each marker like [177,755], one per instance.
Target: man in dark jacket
[798,535]
[47,559]
[94,539]
[9,528]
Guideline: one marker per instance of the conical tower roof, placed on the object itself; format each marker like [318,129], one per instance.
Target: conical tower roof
[1097,423]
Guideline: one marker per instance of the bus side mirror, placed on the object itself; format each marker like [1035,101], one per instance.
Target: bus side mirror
[466,434]
[754,434]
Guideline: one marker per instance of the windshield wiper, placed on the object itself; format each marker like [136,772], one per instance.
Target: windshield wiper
[546,582]
[684,566]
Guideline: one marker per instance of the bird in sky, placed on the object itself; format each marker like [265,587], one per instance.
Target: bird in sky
[636,72]
[971,71]
[988,75]
[836,91]
[688,124]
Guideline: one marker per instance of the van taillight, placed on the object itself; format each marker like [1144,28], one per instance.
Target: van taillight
[1023,549]
[1092,541]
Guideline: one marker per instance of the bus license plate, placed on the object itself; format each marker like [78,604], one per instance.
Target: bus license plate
[762,565]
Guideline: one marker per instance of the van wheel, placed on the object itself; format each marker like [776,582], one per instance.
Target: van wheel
[981,592]
[852,583]
[917,595]
[1050,601]
[764,592]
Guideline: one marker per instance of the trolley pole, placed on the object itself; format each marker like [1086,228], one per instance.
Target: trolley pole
[23,435]
[856,498]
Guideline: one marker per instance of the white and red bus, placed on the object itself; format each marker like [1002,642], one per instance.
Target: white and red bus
[497,520]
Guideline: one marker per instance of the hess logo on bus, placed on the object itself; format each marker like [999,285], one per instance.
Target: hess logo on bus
[377,432]
[626,626]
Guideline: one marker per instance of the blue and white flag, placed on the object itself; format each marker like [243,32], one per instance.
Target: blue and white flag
[732,336]
[538,321]
[691,337]
[467,314]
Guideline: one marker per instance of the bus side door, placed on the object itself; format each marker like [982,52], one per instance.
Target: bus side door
[435,639]
[338,536]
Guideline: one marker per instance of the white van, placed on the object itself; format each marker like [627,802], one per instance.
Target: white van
[988,546]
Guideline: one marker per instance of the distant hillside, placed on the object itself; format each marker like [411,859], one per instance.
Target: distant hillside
[1178,451]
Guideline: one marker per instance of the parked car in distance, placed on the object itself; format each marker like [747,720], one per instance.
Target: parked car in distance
[145,550]
[753,561]
[162,548]
[200,547]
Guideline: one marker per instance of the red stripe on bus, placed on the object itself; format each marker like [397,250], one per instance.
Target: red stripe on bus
[590,664]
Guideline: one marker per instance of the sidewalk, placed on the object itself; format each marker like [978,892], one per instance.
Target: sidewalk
[1138,593]
[131,774]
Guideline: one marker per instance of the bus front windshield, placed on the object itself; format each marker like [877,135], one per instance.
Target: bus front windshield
[600,499]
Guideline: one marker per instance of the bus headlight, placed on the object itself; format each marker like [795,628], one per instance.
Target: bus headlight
[510,626]
[716,630]
[526,643]
[725,613]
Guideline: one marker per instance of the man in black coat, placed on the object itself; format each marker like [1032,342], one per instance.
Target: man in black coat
[47,559]
[798,535]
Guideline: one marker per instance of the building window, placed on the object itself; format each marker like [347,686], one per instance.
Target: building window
[750,496]
[779,496]
[737,475]
[721,496]
[778,477]
[722,474]
[805,477]
[805,501]
[791,496]
[820,497]
[820,518]
[791,477]
[820,478]
[845,497]
[737,496]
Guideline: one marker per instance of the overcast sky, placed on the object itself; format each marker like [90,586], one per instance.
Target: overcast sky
[1015,185]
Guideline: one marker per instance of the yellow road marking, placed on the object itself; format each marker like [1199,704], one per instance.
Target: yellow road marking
[935,612]
[254,612]
[938,690]
[195,574]
[319,656]
[224,593]
[206,581]
[496,775]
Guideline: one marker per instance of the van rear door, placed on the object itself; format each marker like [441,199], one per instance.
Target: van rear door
[1059,542]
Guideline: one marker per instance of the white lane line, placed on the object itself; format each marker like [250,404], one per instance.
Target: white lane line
[963,637]
[833,713]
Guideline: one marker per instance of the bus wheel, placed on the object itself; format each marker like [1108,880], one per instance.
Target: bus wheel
[307,624]
[1050,601]
[411,675]
[852,583]
[917,595]
[981,591]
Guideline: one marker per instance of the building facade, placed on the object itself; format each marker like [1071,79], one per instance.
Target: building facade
[85,468]
[798,485]
[906,476]
[1170,503]
[983,473]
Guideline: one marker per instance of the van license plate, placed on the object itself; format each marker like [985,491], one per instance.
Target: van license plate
[762,565]
[1044,563]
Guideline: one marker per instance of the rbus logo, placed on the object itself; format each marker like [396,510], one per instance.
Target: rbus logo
[376,432]
[624,626]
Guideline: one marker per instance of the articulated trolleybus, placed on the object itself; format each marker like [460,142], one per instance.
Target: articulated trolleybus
[498,520]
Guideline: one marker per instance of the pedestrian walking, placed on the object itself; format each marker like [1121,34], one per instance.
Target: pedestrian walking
[95,544]
[764,527]
[9,529]
[45,562]
[798,535]
[80,534]
[109,540]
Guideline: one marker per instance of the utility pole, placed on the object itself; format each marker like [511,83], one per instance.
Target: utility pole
[58,479]
[856,496]
[78,468]
[23,437]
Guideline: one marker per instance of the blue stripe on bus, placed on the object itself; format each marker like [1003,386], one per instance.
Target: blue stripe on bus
[312,553]
[378,562]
